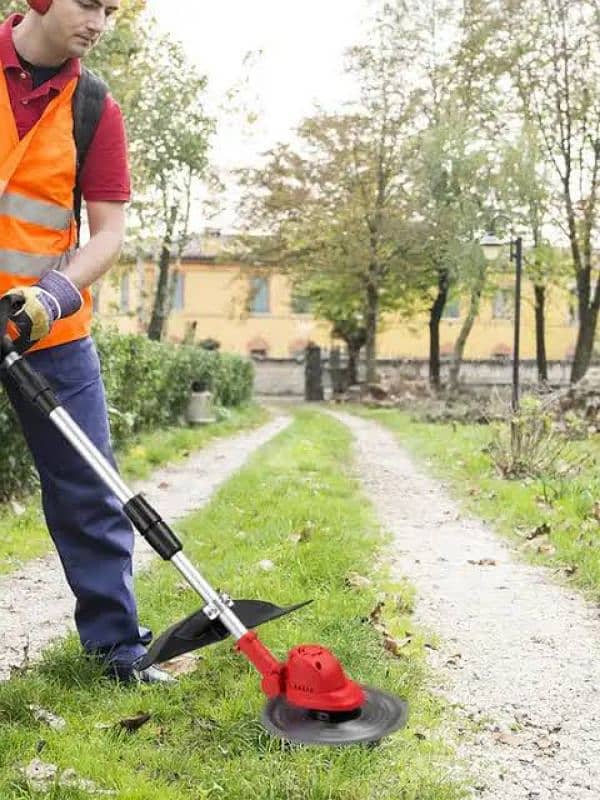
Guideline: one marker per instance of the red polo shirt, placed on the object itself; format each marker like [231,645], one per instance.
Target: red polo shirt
[105,175]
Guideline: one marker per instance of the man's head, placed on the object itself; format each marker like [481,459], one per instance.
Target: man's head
[73,27]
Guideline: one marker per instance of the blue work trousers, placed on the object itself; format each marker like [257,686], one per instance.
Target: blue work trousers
[93,536]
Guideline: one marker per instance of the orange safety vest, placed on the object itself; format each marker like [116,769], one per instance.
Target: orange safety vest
[38,231]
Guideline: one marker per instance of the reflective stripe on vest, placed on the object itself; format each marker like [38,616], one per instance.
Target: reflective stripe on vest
[32,265]
[48,215]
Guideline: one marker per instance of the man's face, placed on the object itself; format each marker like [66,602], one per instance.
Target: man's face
[75,26]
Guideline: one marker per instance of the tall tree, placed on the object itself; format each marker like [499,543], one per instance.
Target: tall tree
[525,188]
[122,56]
[550,51]
[389,91]
[450,177]
[335,218]
[339,204]
[169,138]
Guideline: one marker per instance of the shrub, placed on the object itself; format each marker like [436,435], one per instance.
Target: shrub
[531,445]
[147,386]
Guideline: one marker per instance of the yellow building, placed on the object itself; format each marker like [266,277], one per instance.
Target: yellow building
[250,313]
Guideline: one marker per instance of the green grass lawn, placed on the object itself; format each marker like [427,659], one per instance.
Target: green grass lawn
[569,509]
[23,533]
[296,506]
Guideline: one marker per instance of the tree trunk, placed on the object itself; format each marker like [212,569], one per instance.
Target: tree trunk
[435,315]
[140,310]
[313,375]
[588,313]
[160,311]
[337,376]
[461,341]
[351,369]
[585,344]
[540,332]
[371,326]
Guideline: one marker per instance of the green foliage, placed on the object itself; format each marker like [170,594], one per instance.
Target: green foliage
[529,445]
[8,7]
[119,57]
[148,383]
[536,65]
[16,469]
[147,387]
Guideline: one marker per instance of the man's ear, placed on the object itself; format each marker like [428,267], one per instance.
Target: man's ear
[40,6]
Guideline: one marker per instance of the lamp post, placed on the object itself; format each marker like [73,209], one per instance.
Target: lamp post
[492,247]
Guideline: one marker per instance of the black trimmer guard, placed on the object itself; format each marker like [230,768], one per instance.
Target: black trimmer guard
[379,715]
[198,630]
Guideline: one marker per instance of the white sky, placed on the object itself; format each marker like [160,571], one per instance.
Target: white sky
[296,48]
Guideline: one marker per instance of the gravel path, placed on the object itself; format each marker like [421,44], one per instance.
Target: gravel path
[520,655]
[36,605]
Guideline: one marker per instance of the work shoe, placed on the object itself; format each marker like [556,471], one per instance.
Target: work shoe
[129,674]
[152,674]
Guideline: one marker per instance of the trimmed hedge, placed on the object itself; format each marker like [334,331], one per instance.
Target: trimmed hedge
[147,386]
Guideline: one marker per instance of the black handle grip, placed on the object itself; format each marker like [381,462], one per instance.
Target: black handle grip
[9,305]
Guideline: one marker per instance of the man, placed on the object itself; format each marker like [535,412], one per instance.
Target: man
[41,264]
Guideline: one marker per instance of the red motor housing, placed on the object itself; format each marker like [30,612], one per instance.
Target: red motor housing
[311,678]
[314,679]
[41,6]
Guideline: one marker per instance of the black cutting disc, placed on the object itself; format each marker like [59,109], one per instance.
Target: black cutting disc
[380,715]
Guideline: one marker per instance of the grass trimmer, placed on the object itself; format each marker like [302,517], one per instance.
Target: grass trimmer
[310,698]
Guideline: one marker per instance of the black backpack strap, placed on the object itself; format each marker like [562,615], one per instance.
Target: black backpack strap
[88,103]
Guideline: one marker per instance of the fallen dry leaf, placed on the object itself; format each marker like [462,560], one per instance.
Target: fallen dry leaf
[304,533]
[42,715]
[356,581]
[375,615]
[133,724]
[181,665]
[164,485]
[545,743]
[17,508]
[546,549]
[483,562]
[540,530]
[395,646]
[70,779]
[508,738]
